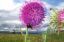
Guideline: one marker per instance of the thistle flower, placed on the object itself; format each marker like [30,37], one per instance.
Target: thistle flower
[32,14]
[53,19]
[61,15]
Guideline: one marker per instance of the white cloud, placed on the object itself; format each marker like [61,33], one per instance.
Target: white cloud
[13,21]
[7,5]
[6,28]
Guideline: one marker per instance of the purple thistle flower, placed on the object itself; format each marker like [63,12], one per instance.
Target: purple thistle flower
[32,14]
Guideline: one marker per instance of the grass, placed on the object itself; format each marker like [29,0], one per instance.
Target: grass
[32,37]
[55,37]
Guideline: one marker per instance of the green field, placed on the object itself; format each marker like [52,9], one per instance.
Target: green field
[32,38]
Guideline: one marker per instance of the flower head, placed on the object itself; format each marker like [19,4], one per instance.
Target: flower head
[32,14]
[61,15]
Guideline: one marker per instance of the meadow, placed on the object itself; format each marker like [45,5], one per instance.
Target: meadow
[31,37]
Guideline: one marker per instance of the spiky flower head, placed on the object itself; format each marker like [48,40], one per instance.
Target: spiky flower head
[32,14]
[61,15]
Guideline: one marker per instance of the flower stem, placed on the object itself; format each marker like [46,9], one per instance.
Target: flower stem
[26,35]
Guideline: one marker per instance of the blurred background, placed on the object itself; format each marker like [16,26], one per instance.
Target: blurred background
[10,22]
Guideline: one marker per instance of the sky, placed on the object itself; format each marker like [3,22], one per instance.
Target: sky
[9,9]
[54,2]
[11,4]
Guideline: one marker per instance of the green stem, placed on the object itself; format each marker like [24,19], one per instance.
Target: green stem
[44,36]
[26,34]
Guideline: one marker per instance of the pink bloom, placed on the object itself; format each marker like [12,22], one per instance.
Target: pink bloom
[32,14]
[61,15]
